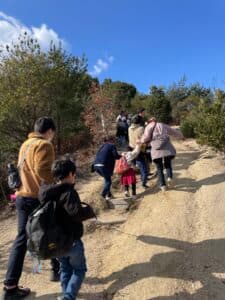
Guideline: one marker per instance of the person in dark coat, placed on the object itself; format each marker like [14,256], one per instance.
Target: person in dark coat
[141,116]
[105,162]
[70,213]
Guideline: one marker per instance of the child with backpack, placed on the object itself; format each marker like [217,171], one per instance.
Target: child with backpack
[70,213]
[128,178]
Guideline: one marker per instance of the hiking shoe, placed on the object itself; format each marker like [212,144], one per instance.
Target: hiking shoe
[127,194]
[170,182]
[15,293]
[54,276]
[163,188]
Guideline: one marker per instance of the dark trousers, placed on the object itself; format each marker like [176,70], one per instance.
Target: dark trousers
[24,206]
[162,163]
[133,187]
[107,180]
[55,265]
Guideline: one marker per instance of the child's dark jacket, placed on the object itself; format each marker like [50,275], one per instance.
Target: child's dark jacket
[107,155]
[69,211]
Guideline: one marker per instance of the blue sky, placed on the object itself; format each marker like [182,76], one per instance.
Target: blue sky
[143,42]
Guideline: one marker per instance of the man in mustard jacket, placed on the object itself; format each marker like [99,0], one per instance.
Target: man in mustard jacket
[36,156]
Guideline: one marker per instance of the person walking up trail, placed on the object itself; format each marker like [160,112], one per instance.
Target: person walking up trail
[70,213]
[122,128]
[135,133]
[104,164]
[37,155]
[162,150]
[128,178]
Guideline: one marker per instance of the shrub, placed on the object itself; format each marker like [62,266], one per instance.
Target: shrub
[187,128]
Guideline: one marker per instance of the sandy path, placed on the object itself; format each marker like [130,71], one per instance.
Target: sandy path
[171,247]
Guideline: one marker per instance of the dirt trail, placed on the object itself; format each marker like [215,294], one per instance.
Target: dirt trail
[171,247]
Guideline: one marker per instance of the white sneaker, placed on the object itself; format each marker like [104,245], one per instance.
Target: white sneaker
[163,188]
[127,194]
[170,181]
[107,198]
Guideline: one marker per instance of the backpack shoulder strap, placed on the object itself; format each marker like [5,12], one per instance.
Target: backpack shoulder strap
[153,131]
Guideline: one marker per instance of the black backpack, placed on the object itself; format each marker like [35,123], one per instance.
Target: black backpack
[14,180]
[45,238]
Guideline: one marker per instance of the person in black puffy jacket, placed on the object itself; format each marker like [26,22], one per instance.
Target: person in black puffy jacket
[70,213]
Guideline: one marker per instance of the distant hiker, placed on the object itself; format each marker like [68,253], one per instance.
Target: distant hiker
[162,150]
[122,128]
[37,156]
[70,214]
[121,117]
[128,178]
[104,164]
[141,115]
[135,133]
[129,117]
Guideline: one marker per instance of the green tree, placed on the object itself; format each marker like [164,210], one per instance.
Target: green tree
[210,123]
[183,97]
[158,105]
[120,92]
[139,101]
[34,83]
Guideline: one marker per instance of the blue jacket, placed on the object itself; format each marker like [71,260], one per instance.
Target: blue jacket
[107,155]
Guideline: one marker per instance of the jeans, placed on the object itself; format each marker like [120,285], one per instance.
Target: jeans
[72,270]
[160,164]
[24,206]
[107,180]
[142,165]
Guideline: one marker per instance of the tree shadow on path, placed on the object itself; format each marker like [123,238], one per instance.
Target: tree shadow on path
[191,185]
[187,184]
[191,262]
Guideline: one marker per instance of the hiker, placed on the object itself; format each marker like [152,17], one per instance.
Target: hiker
[128,178]
[129,117]
[121,117]
[122,128]
[162,150]
[36,156]
[70,213]
[141,114]
[135,133]
[104,164]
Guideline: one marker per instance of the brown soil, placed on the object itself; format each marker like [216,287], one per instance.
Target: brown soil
[171,247]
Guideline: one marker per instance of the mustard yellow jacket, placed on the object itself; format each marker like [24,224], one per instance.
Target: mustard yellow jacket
[36,168]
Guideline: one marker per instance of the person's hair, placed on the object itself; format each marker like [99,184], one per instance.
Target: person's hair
[152,119]
[122,112]
[62,168]
[108,139]
[142,109]
[43,124]
[136,119]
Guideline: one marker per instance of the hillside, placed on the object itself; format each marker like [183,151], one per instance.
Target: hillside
[171,247]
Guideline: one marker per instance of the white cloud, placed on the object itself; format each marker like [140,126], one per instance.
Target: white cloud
[102,65]
[11,28]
